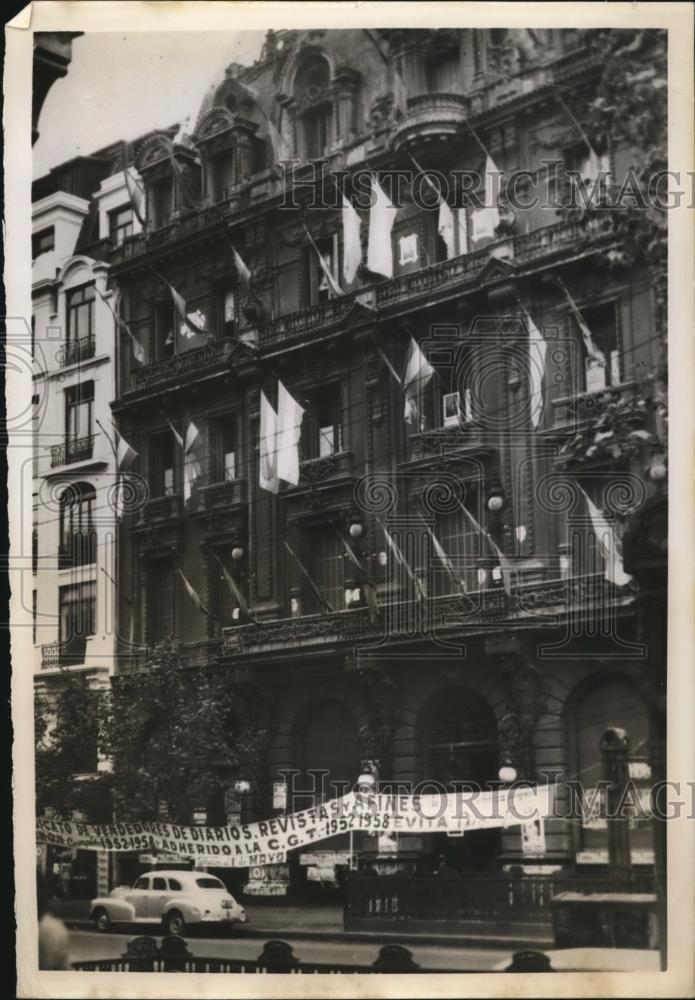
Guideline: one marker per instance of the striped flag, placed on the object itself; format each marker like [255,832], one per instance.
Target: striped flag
[191,465]
[125,455]
[593,352]
[137,348]
[609,544]
[195,597]
[418,372]
[197,320]
[537,348]
[505,564]
[335,288]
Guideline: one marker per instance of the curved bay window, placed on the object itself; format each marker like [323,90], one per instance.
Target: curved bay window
[613,703]
[78,539]
[316,115]
[459,750]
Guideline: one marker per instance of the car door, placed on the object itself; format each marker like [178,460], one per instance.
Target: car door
[157,897]
[138,897]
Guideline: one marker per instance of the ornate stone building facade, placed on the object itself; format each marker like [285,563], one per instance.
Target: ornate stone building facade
[541,652]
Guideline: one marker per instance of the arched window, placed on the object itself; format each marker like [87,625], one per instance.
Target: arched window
[315,108]
[77,531]
[613,703]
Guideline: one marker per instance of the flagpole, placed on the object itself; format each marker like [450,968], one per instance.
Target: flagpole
[305,571]
[576,125]
[479,140]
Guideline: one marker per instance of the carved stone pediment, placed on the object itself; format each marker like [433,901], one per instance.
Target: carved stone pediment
[157,147]
[218,119]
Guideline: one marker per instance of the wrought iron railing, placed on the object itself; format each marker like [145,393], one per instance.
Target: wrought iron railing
[74,450]
[166,508]
[222,495]
[63,654]
[77,350]
[187,364]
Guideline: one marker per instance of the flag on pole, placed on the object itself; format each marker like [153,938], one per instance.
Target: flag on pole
[445,224]
[195,320]
[388,364]
[135,194]
[235,590]
[125,454]
[401,560]
[352,247]
[335,288]
[382,216]
[187,191]
[418,372]
[137,348]
[308,577]
[504,562]
[191,465]
[367,585]
[289,427]
[177,436]
[195,597]
[537,348]
[486,219]
[442,556]
[609,544]
[267,448]
[594,353]
[241,269]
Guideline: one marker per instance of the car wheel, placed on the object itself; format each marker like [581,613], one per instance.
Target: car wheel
[102,921]
[174,923]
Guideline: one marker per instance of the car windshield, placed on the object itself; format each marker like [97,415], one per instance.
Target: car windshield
[209,883]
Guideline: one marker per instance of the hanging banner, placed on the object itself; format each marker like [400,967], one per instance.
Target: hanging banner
[267,842]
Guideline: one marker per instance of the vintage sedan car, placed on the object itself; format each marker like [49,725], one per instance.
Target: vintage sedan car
[173,899]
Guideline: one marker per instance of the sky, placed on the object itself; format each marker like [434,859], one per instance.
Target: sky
[121,85]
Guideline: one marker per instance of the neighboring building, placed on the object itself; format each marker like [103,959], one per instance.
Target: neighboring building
[52,58]
[541,654]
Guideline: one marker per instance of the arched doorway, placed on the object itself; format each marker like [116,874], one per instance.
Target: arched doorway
[458,738]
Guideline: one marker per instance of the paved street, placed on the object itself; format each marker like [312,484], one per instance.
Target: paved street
[86,945]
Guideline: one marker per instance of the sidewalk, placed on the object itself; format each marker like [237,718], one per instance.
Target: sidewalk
[313,923]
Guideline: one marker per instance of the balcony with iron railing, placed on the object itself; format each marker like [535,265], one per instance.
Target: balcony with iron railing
[221,496]
[188,365]
[73,450]
[70,653]
[75,351]
[161,510]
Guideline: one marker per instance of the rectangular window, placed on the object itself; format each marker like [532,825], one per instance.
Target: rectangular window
[120,224]
[221,176]
[322,424]
[224,462]
[226,305]
[461,545]
[161,599]
[164,329]
[162,466]
[326,560]
[42,242]
[77,609]
[602,327]
[80,313]
[79,415]
[316,130]
[162,202]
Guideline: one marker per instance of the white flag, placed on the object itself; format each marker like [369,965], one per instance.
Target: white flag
[267,448]
[486,219]
[445,228]
[382,215]
[191,465]
[418,372]
[352,248]
[289,427]
[537,348]
[609,544]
